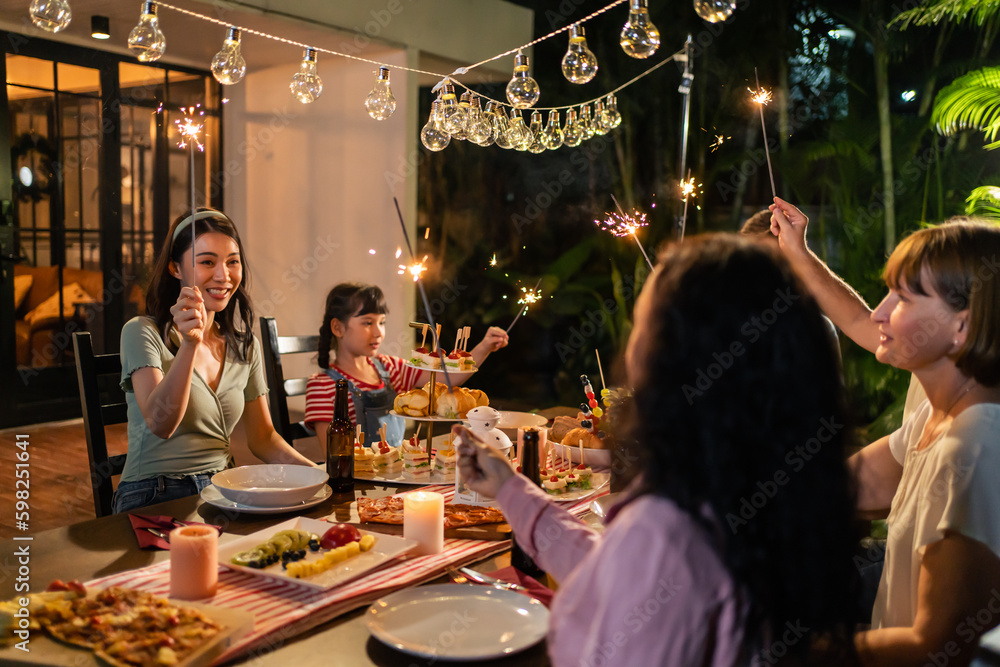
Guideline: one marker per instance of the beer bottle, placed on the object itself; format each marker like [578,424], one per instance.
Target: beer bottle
[531,468]
[340,443]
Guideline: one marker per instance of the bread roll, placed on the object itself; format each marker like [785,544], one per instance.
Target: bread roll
[439,388]
[590,441]
[465,401]
[412,403]
[447,406]
[481,398]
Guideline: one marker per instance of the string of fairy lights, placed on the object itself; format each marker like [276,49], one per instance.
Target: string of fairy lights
[462,117]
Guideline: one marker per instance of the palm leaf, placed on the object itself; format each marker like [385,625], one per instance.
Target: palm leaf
[984,202]
[971,101]
[954,10]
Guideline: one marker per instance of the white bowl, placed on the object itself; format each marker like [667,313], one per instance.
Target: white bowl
[270,484]
[595,458]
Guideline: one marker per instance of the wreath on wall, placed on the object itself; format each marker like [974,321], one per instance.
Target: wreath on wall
[33,158]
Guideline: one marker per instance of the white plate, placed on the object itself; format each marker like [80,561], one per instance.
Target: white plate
[598,481]
[602,505]
[515,420]
[211,495]
[386,548]
[596,458]
[458,622]
[398,478]
[451,371]
[435,418]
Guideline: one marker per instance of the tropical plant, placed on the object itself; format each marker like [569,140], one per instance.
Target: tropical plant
[972,101]
[984,202]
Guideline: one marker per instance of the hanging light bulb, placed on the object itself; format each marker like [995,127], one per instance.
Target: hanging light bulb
[306,85]
[536,145]
[380,103]
[639,37]
[600,122]
[552,135]
[572,135]
[714,11]
[50,15]
[449,103]
[518,134]
[433,135]
[228,66]
[585,124]
[146,41]
[522,90]
[477,126]
[579,65]
[501,126]
[455,123]
[611,109]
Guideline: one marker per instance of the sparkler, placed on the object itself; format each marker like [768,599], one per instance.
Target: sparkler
[688,188]
[493,261]
[761,97]
[190,131]
[718,141]
[620,224]
[528,297]
[415,269]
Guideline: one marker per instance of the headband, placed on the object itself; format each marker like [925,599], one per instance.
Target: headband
[200,215]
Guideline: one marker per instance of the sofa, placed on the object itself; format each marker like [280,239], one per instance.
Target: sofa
[37,288]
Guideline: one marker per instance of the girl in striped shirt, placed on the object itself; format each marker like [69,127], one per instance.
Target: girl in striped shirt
[353,328]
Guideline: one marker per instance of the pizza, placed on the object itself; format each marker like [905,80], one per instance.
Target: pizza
[126,627]
[390,510]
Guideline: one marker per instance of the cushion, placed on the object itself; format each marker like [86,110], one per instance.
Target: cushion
[48,311]
[21,286]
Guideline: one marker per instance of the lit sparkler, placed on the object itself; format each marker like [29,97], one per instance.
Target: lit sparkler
[689,188]
[761,97]
[415,269]
[620,224]
[528,297]
[493,261]
[719,139]
[190,131]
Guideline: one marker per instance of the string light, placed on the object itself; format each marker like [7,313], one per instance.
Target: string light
[535,128]
[432,135]
[552,135]
[522,91]
[579,65]
[714,11]
[50,15]
[228,65]
[478,129]
[639,38]
[381,103]
[306,84]
[146,41]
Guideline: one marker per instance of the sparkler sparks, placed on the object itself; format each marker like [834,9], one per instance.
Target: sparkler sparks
[718,141]
[190,129]
[530,295]
[620,224]
[493,261]
[415,269]
[760,96]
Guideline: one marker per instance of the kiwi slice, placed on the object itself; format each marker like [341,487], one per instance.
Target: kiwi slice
[248,558]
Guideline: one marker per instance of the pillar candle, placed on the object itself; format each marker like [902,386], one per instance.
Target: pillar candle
[194,562]
[423,521]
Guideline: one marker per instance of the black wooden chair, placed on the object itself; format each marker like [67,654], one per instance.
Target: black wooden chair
[98,413]
[280,389]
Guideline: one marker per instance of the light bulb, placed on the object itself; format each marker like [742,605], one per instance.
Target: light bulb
[455,123]
[585,124]
[50,15]
[552,135]
[522,90]
[536,145]
[600,122]
[501,126]
[579,65]
[228,66]
[639,37]
[477,124]
[380,103]
[517,133]
[306,84]
[572,135]
[611,109]
[714,11]
[433,135]
[146,41]
[449,103]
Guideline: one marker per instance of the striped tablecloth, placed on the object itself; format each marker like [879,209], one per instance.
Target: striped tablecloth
[284,609]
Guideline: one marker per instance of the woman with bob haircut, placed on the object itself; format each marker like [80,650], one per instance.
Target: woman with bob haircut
[192,368]
[939,472]
[684,573]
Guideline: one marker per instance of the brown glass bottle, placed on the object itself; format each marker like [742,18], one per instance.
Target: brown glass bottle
[340,443]
[530,468]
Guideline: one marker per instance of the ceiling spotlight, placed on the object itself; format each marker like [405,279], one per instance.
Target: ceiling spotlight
[100,27]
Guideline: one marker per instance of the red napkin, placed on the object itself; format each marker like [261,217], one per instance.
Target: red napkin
[160,522]
[512,575]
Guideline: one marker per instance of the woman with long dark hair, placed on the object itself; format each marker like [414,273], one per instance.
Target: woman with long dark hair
[192,369]
[733,545]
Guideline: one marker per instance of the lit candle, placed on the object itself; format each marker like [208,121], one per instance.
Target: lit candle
[194,562]
[423,521]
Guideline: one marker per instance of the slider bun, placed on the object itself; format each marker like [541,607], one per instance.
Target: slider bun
[590,441]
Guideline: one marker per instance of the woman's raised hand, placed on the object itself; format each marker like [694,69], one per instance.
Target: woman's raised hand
[483,469]
[189,314]
[789,224]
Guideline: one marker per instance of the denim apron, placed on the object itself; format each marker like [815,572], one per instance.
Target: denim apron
[372,407]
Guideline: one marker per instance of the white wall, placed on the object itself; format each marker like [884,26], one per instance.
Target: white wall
[308,187]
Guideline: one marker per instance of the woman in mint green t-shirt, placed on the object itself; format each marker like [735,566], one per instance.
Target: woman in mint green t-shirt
[192,368]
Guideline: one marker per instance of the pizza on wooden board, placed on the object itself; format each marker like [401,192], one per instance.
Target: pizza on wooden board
[126,627]
[390,510]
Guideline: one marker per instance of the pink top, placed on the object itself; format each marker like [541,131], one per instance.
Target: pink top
[651,591]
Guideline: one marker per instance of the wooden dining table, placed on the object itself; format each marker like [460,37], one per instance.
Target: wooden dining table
[106,546]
